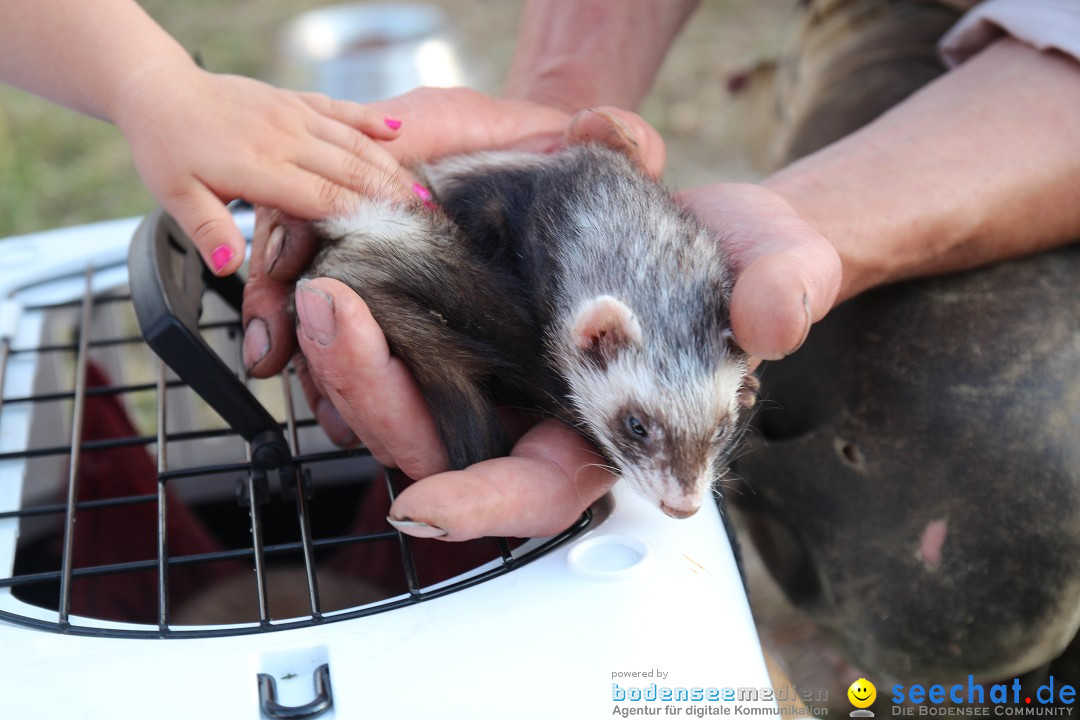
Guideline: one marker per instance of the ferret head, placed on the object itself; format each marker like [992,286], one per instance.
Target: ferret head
[668,417]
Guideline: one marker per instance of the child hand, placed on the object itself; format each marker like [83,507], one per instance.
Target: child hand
[200,140]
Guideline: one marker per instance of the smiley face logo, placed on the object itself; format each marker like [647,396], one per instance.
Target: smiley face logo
[862,693]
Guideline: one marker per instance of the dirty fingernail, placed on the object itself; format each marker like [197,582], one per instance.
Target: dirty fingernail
[392,123]
[256,342]
[808,322]
[274,243]
[221,256]
[416,528]
[315,309]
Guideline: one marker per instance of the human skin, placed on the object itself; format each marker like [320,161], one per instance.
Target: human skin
[975,168]
[198,139]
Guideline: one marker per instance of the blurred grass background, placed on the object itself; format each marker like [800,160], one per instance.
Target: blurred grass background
[58,168]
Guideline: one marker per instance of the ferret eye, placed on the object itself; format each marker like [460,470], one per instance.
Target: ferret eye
[636,427]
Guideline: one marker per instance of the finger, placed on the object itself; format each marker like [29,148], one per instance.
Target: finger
[373,391]
[623,131]
[551,476]
[269,328]
[770,308]
[300,192]
[326,414]
[204,218]
[781,293]
[787,274]
[363,167]
[373,124]
[448,121]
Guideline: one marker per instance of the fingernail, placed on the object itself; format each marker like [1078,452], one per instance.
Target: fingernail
[422,192]
[221,256]
[256,342]
[417,528]
[334,425]
[621,127]
[806,327]
[315,309]
[392,123]
[274,243]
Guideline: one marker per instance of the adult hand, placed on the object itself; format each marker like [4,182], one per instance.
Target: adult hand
[435,123]
[551,475]
[358,389]
[787,275]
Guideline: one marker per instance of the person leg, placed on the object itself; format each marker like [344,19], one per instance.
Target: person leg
[914,478]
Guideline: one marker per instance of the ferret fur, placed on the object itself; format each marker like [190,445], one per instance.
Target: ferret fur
[567,283]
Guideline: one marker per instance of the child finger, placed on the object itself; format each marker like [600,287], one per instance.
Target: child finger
[355,115]
[205,220]
[369,170]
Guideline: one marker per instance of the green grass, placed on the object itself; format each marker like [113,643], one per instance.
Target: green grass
[59,168]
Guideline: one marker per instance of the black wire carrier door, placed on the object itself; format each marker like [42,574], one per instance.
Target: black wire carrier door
[150,510]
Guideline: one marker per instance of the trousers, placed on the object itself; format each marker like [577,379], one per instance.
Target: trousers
[913,475]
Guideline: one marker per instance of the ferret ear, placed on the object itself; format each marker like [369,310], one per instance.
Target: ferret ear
[605,325]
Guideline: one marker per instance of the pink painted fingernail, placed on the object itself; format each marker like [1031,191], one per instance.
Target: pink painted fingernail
[221,256]
[392,123]
[417,528]
[421,192]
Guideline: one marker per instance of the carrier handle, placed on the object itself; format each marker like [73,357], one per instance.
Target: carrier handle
[324,697]
[167,279]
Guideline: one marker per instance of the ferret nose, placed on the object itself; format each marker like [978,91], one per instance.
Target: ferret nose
[679,512]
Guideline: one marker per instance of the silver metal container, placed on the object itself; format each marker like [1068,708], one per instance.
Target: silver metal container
[370,51]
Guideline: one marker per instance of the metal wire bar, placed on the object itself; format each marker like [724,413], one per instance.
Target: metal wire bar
[302,516]
[197,559]
[162,466]
[256,486]
[505,551]
[102,300]
[98,391]
[5,349]
[81,361]
[204,470]
[113,443]
[408,564]
[363,611]
[123,340]
[57,508]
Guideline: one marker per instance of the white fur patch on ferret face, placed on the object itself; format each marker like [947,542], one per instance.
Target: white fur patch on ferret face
[374,221]
[688,420]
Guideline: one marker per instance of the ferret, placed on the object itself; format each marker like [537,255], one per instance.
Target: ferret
[567,283]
